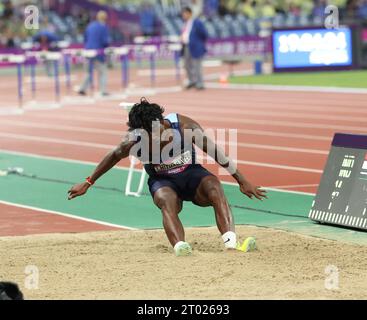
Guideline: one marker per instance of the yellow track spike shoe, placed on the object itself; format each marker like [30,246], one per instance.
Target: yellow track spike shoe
[248,245]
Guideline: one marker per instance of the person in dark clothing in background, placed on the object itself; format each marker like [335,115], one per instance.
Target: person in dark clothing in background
[147,20]
[47,40]
[96,37]
[193,37]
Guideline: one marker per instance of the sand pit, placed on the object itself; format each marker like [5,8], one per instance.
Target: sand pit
[141,265]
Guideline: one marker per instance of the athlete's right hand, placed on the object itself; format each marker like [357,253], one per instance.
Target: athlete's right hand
[78,190]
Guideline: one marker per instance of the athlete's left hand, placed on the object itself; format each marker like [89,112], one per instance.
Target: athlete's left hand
[252,191]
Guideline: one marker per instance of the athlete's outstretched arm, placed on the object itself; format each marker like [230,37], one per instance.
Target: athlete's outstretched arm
[213,150]
[111,159]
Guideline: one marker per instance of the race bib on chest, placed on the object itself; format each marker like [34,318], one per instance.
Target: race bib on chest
[177,165]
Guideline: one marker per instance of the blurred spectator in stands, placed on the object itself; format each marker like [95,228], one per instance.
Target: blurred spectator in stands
[46,35]
[194,37]
[362,9]
[211,7]
[147,19]
[280,7]
[96,37]
[248,9]
[11,26]
[7,36]
[196,7]
[168,4]
[267,9]
[47,25]
[47,39]
[350,11]
[6,28]
[8,10]
[83,20]
[306,7]
[222,8]
[319,9]
[294,9]
[232,6]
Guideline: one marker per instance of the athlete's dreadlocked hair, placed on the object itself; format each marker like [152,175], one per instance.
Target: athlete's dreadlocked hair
[142,115]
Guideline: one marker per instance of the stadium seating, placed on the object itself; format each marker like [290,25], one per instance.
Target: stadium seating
[219,25]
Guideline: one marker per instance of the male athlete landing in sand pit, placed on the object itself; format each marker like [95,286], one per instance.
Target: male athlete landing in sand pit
[175,176]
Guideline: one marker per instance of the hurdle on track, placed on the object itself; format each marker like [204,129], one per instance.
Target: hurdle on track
[68,55]
[151,50]
[18,60]
[30,59]
[121,53]
[145,45]
[176,48]
[133,162]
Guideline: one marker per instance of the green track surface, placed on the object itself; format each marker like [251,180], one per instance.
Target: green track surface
[343,79]
[52,178]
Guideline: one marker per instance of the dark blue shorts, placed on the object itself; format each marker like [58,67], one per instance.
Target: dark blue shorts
[184,183]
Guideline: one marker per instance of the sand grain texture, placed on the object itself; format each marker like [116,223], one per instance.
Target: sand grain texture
[141,265]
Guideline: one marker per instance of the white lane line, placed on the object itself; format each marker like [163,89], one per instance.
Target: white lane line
[66,215]
[295,186]
[299,115]
[127,168]
[290,104]
[48,80]
[200,109]
[61,127]
[268,87]
[55,140]
[269,165]
[32,124]
[174,102]
[321,111]
[107,146]
[279,102]
[269,105]
[289,135]
[277,148]
[42,157]
[230,120]
[10,110]
[159,72]
[273,113]
[281,123]
[110,147]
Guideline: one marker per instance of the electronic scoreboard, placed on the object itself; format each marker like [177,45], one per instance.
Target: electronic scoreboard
[301,49]
[342,194]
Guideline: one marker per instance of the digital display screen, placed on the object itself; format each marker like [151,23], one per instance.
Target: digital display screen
[312,48]
[342,195]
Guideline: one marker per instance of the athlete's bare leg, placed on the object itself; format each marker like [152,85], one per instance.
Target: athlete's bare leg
[170,204]
[210,193]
